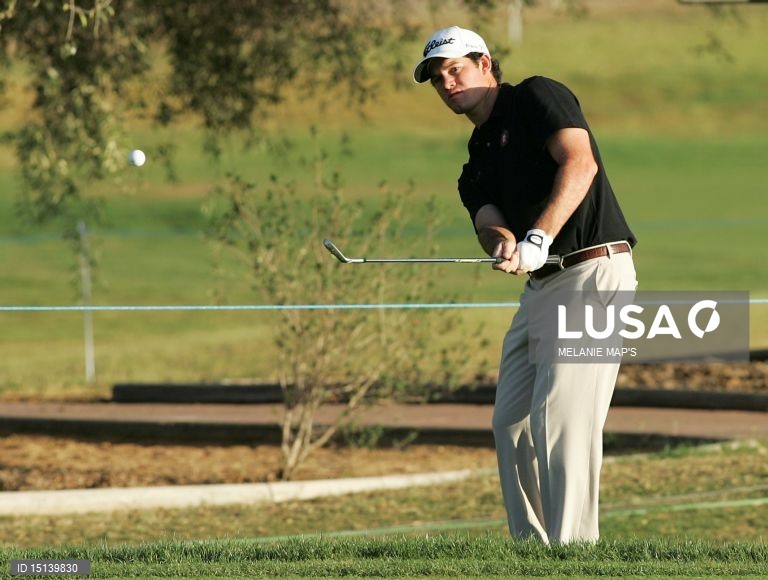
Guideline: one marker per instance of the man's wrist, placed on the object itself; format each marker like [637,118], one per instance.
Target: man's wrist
[491,237]
[539,237]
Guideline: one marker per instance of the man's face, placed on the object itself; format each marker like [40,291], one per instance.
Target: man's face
[461,82]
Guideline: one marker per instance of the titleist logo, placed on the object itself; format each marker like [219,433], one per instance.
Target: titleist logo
[433,44]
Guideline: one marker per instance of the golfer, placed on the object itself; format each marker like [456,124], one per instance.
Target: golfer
[534,184]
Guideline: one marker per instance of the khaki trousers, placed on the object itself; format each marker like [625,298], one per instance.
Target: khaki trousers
[548,418]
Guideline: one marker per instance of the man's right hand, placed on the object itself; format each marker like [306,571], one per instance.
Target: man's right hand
[510,259]
[493,232]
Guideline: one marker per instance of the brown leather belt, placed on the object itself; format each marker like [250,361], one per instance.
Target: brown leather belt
[580,256]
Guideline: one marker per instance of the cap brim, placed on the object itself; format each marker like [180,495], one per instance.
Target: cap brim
[421,72]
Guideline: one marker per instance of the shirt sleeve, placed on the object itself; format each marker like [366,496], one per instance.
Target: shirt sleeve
[472,194]
[550,106]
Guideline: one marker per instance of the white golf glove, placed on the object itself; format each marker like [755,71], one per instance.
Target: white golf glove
[533,250]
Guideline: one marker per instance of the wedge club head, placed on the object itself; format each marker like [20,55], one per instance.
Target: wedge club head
[331,247]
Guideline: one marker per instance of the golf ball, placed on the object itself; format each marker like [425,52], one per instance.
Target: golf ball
[137,157]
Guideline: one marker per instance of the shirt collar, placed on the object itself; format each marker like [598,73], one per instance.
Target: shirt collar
[500,107]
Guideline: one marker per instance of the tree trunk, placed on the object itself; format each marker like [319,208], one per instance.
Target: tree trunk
[515,21]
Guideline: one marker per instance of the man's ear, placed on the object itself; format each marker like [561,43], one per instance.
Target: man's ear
[485,64]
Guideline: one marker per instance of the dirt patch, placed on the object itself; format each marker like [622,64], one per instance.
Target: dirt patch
[48,463]
[742,377]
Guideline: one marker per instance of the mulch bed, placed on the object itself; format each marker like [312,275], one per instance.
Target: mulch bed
[742,377]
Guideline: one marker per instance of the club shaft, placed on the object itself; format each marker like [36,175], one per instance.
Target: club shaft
[331,247]
[550,260]
[427,260]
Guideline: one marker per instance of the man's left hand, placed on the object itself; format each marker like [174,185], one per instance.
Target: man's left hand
[533,251]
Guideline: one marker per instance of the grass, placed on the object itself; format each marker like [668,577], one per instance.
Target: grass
[153,252]
[640,496]
[420,556]
[682,134]
[453,530]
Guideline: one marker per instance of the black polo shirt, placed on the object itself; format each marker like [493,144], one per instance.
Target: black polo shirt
[509,166]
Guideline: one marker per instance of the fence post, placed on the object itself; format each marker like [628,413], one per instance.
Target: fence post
[85,274]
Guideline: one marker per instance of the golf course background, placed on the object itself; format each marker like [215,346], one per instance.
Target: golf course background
[675,96]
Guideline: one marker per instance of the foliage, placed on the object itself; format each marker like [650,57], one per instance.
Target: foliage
[350,356]
[97,66]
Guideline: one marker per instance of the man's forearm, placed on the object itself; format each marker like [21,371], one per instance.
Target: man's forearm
[572,182]
[571,150]
[490,237]
[492,229]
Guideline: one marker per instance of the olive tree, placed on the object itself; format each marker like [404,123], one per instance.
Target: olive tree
[94,67]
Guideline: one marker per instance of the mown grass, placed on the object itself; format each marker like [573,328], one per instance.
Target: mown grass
[476,556]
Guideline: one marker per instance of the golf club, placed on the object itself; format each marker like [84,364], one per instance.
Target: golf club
[333,249]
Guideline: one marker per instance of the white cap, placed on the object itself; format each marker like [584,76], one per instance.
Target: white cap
[450,42]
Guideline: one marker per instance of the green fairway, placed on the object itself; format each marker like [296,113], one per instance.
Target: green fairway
[152,251]
[682,131]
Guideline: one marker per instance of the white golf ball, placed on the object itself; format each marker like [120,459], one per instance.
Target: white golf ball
[137,157]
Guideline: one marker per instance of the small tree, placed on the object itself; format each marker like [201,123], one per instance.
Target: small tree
[353,356]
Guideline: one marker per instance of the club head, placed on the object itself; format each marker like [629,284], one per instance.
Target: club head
[331,247]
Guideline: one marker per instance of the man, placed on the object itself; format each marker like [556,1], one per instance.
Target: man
[534,184]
